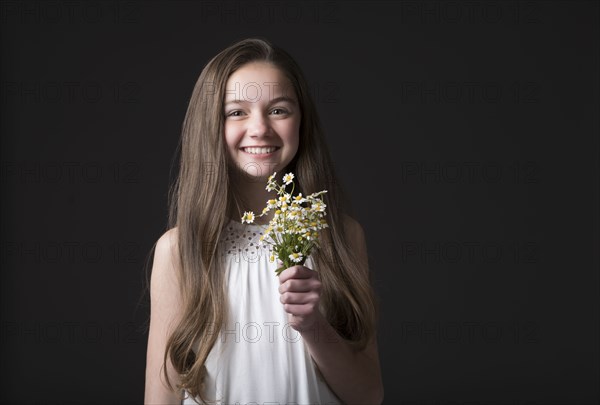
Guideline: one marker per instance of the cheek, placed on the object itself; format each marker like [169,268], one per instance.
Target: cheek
[296,141]
[293,132]
[297,135]
[231,136]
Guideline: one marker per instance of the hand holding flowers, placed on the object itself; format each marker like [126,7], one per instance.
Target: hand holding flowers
[300,294]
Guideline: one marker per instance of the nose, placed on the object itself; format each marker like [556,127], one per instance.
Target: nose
[258,125]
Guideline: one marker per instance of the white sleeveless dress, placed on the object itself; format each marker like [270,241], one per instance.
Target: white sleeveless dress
[258,358]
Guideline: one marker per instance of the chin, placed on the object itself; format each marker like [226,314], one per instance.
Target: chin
[254,171]
[252,176]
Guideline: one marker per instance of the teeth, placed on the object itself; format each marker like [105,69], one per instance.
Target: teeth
[259,150]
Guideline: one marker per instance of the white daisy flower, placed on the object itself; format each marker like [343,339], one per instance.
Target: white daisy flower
[296,257]
[299,199]
[318,206]
[248,217]
[287,179]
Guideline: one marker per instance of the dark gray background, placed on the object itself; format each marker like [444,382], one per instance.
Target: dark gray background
[466,134]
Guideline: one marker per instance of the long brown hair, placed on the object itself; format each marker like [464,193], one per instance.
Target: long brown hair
[201,202]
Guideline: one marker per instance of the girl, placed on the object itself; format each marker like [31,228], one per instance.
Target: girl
[223,326]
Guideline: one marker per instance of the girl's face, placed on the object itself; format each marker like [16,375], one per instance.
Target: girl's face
[262,120]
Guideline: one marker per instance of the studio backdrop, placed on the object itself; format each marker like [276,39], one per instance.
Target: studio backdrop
[464,133]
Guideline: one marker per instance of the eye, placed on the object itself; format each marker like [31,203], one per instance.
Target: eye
[281,111]
[234,113]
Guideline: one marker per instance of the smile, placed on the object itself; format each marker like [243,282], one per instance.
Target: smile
[260,151]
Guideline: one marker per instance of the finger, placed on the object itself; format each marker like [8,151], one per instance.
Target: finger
[294,285]
[299,309]
[300,285]
[296,272]
[298,298]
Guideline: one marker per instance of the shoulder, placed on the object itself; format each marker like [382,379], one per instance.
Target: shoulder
[166,258]
[355,237]
[353,229]
[351,223]
[168,242]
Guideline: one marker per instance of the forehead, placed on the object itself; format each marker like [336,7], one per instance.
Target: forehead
[256,77]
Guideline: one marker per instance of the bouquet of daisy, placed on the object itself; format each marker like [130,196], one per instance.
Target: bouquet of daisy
[293,231]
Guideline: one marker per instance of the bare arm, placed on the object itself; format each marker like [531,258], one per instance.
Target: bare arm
[164,310]
[354,376]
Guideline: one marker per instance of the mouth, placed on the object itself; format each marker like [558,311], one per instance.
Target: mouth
[262,151]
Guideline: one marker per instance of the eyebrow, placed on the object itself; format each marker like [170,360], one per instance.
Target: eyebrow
[274,101]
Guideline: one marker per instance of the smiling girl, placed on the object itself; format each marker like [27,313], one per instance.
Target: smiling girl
[223,327]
